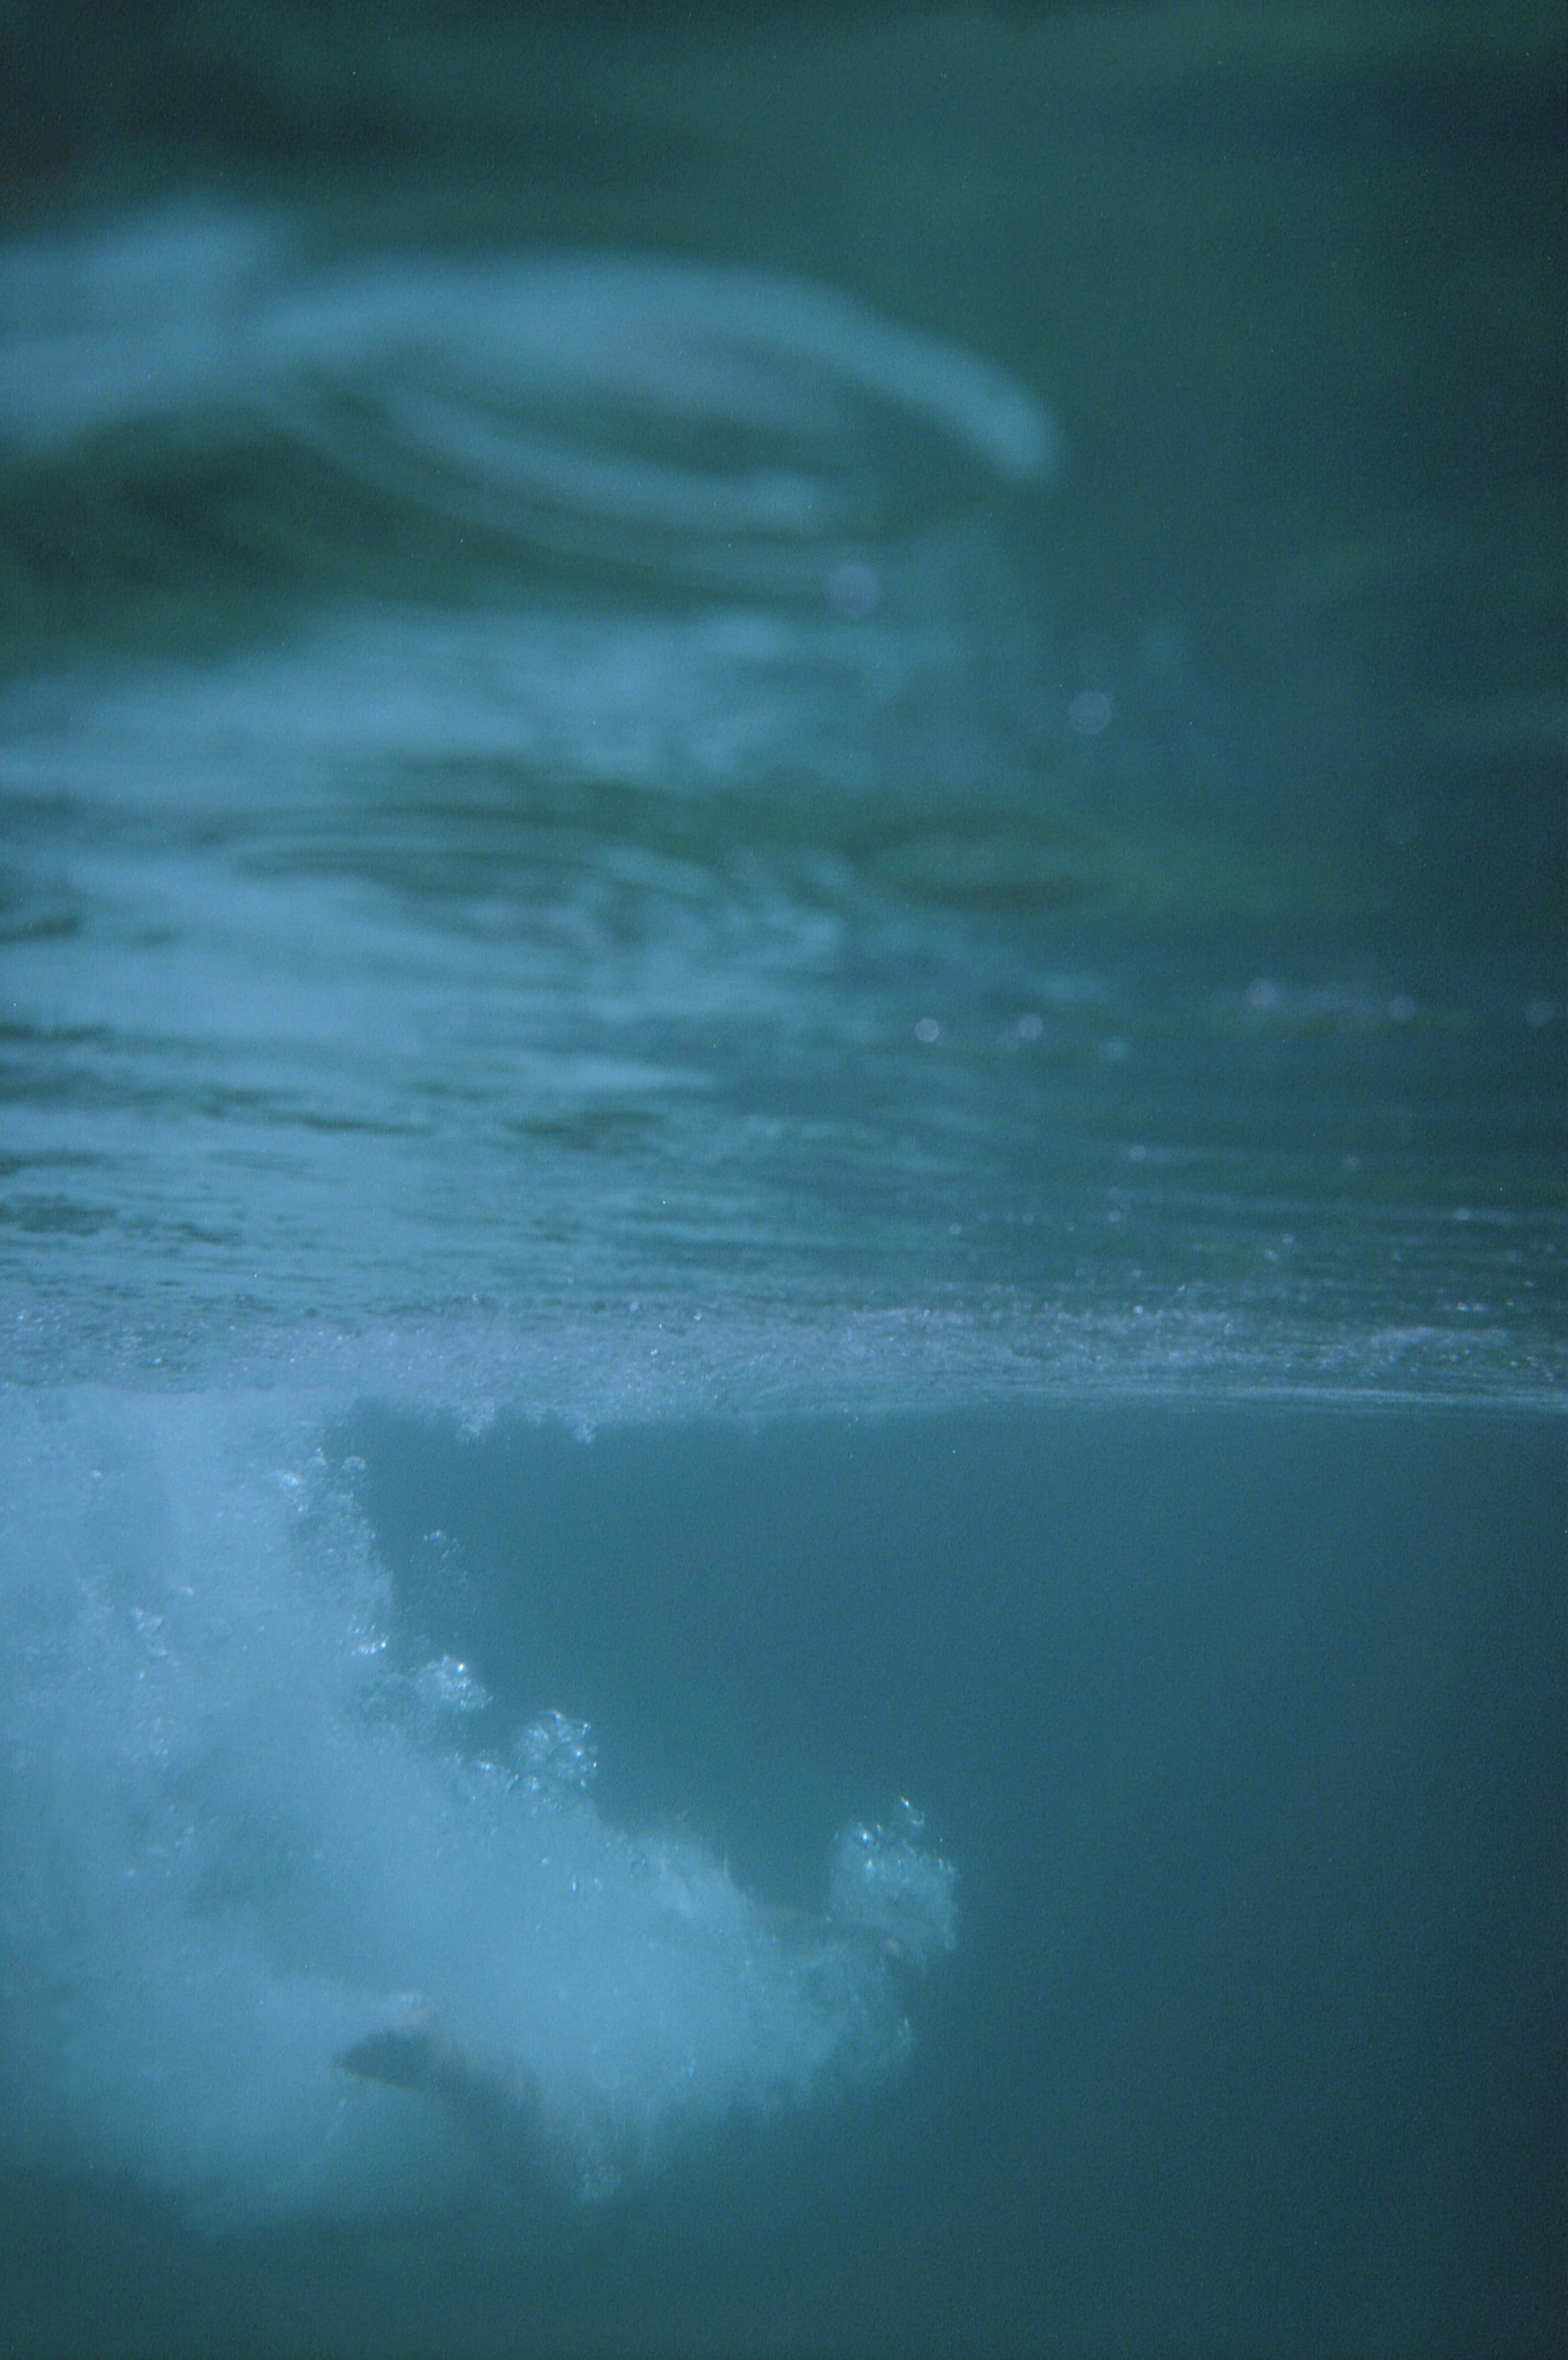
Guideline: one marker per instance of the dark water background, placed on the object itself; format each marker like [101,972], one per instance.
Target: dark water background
[775,1380]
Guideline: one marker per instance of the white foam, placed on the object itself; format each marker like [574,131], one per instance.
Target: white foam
[231,1836]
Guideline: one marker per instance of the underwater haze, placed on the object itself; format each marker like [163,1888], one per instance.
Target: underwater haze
[783,1071]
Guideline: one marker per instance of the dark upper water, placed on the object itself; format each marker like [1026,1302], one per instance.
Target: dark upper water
[781,926]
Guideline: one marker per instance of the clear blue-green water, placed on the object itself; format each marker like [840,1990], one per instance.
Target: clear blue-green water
[781,967]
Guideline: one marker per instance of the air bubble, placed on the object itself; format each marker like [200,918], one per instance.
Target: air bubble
[448,1685]
[558,1757]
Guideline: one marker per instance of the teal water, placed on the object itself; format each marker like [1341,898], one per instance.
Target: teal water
[1247,1730]
[781,886]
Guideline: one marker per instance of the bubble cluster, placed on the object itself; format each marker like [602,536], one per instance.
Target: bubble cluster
[883,1883]
[558,1757]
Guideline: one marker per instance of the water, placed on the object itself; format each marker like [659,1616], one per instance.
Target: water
[782,1227]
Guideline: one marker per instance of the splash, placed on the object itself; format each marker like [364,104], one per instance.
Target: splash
[245,1849]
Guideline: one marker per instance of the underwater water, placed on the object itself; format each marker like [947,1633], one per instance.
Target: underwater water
[782,1089]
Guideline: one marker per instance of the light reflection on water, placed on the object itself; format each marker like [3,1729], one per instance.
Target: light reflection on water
[720,894]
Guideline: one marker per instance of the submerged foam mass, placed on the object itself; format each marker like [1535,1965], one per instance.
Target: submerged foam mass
[239,1834]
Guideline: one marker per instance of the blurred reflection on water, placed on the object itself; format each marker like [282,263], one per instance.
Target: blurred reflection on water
[576,732]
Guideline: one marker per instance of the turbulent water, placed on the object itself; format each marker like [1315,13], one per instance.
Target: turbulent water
[698,889]
[243,1816]
[677,967]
